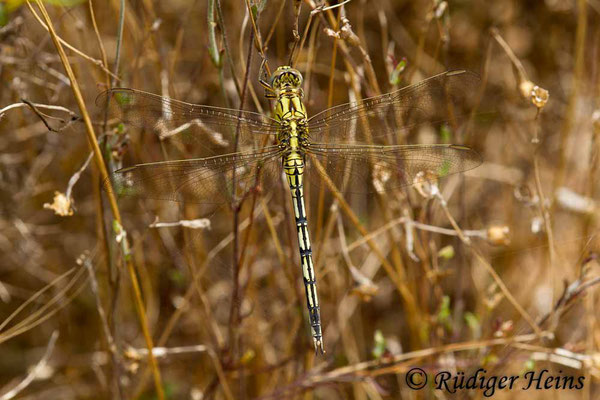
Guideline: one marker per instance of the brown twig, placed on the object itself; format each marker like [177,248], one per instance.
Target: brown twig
[35,108]
[234,317]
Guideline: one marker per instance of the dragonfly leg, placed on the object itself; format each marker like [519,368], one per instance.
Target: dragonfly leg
[262,74]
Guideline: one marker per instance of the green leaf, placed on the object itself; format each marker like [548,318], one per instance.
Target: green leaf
[123,189]
[12,5]
[444,313]
[257,8]
[489,360]
[177,277]
[379,346]
[3,14]
[124,98]
[444,168]
[473,323]
[396,75]
[117,228]
[247,357]
[446,252]
[170,390]
[529,365]
[64,3]
[213,48]
[445,134]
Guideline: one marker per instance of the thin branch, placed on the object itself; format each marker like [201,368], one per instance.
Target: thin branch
[34,107]
[34,372]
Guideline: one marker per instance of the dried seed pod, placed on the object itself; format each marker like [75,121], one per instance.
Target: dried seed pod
[425,182]
[498,235]
[61,205]
[532,92]
[381,175]
[505,328]
[365,291]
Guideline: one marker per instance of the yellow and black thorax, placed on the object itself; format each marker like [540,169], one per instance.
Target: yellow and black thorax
[289,110]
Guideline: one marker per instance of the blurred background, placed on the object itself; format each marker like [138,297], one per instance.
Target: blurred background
[499,271]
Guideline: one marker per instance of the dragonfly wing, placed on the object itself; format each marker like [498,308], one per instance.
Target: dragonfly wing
[370,169]
[203,181]
[378,120]
[169,117]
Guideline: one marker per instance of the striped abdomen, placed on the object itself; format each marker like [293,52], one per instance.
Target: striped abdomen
[293,165]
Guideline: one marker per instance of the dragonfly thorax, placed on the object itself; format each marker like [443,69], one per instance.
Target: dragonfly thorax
[290,112]
[293,136]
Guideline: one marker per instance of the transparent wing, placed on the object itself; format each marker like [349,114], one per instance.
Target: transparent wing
[202,180]
[378,120]
[369,169]
[170,117]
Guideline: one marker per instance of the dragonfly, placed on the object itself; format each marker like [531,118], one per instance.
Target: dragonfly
[356,144]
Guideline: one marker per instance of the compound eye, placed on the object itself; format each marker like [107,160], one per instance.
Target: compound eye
[298,77]
[275,79]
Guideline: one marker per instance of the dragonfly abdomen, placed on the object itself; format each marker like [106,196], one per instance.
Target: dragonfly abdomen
[293,165]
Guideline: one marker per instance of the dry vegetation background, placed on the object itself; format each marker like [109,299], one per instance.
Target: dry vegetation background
[504,277]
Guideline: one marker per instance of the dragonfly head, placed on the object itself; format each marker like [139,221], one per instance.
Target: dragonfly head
[286,77]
